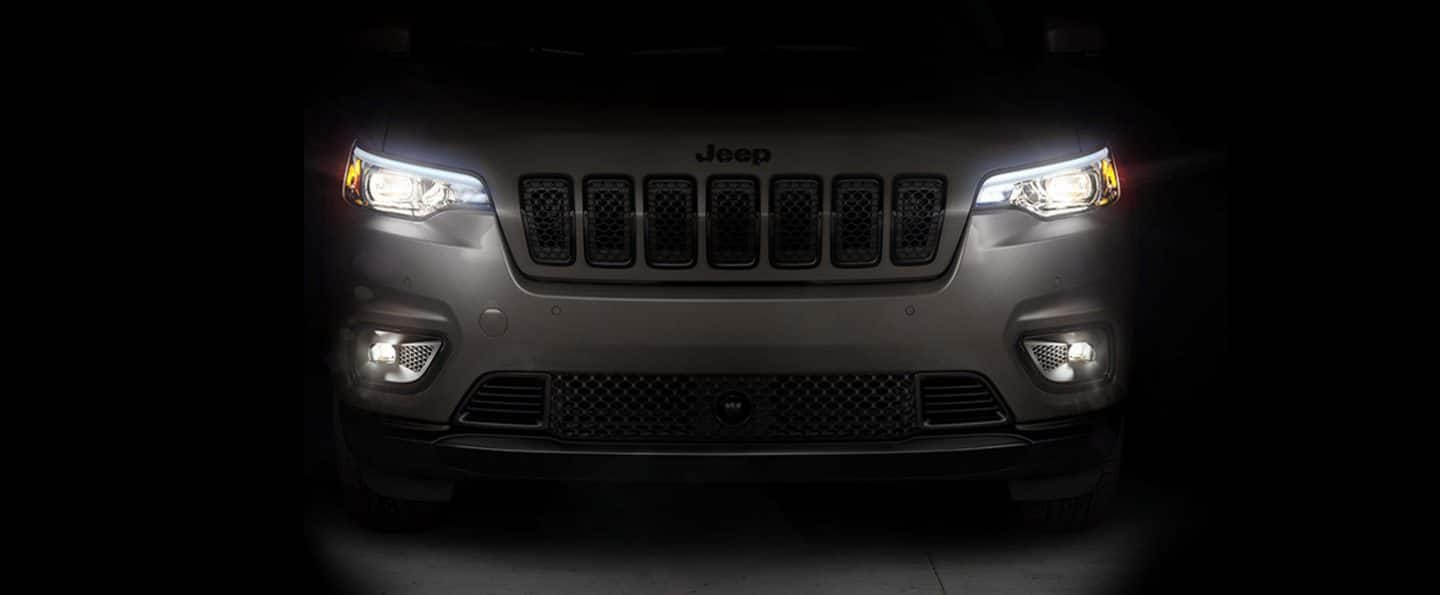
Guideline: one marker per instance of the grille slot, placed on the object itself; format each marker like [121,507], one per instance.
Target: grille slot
[794,222]
[670,222]
[682,408]
[733,221]
[547,208]
[856,221]
[609,222]
[918,212]
[953,400]
[506,400]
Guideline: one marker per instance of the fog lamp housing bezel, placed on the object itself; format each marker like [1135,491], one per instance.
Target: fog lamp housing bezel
[361,339]
[1100,337]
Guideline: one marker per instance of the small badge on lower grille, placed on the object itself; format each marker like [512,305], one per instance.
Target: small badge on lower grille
[733,408]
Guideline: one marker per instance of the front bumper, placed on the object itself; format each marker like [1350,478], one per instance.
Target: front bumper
[1014,275]
[400,449]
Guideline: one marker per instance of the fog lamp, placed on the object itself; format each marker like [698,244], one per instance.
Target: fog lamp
[395,357]
[382,353]
[1081,352]
[1069,357]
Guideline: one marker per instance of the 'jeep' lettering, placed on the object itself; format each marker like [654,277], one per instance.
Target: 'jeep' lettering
[754,156]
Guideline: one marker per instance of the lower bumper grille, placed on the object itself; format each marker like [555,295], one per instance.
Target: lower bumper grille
[783,408]
[815,408]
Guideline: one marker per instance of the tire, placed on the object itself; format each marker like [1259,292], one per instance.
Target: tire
[372,510]
[1077,512]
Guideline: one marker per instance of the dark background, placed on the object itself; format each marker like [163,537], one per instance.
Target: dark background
[1163,86]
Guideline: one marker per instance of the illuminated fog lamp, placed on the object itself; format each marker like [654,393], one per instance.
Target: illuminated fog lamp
[1069,357]
[382,353]
[395,357]
[1081,352]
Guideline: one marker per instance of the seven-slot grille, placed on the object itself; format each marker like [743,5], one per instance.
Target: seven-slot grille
[733,218]
[547,207]
[670,222]
[609,221]
[795,210]
[957,400]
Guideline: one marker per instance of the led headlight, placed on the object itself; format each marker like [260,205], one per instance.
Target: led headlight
[1060,188]
[393,186]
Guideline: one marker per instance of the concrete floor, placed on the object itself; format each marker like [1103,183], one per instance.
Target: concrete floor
[857,538]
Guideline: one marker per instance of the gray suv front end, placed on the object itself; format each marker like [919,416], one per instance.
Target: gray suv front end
[617,302]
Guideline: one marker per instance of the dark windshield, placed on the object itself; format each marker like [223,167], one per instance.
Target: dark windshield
[965,29]
[915,57]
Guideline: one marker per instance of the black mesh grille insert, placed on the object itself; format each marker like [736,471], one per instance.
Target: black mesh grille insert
[918,211]
[857,218]
[506,400]
[547,207]
[958,400]
[733,220]
[683,408]
[609,222]
[794,222]
[670,222]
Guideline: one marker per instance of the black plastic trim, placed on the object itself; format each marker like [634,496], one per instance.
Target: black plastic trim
[458,416]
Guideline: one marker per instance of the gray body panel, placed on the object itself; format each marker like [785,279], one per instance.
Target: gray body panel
[998,272]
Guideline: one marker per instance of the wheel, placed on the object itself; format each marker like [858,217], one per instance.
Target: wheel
[1077,512]
[372,510]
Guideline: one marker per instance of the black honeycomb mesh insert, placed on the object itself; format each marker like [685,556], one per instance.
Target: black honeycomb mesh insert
[609,222]
[857,218]
[733,220]
[794,222]
[547,208]
[682,408]
[918,212]
[670,222]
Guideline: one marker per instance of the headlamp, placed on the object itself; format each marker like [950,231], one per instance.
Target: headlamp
[392,186]
[1062,188]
